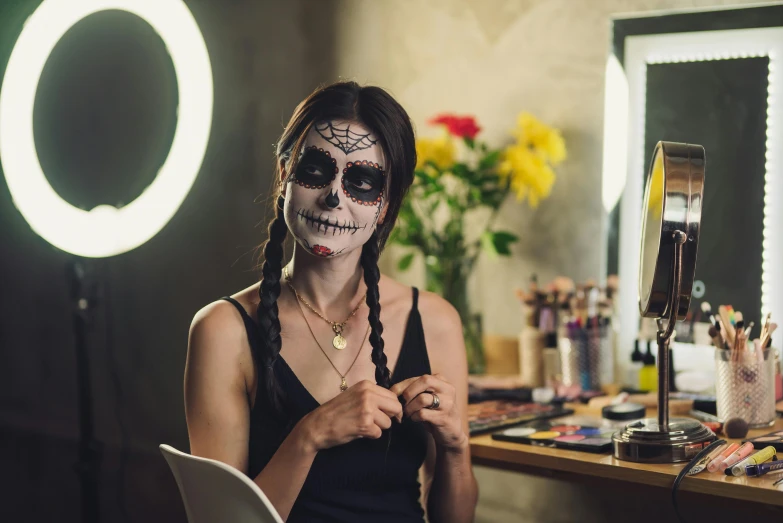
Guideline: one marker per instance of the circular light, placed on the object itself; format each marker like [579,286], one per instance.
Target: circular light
[105,230]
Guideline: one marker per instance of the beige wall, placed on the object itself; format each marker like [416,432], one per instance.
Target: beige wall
[494,58]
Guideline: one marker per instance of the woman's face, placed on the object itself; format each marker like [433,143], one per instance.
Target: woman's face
[334,199]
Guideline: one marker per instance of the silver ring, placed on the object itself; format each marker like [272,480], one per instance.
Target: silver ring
[435,401]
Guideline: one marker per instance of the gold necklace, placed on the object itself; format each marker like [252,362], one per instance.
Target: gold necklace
[338,342]
[343,382]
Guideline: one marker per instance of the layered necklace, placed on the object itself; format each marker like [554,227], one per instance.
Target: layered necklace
[300,301]
[338,342]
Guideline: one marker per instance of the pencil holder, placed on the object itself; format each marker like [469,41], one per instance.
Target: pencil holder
[586,356]
[745,386]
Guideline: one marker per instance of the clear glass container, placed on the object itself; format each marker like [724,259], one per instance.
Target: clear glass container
[745,386]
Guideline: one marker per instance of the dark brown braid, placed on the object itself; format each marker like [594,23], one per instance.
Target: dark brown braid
[369,260]
[267,315]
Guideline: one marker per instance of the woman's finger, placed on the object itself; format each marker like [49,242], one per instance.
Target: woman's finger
[422,401]
[424,415]
[390,406]
[425,383]
[382,420]
[398,388]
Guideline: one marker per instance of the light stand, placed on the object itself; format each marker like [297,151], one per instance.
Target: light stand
[88,466]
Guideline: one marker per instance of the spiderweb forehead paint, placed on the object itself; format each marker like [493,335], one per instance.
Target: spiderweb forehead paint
[344,138]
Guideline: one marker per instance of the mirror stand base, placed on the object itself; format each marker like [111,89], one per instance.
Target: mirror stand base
[646,441]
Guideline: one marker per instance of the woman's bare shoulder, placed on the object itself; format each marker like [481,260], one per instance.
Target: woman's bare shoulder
[220,325]
[442,333]
[395,296]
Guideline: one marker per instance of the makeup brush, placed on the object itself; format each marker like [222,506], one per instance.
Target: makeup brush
[767,340]
[759,350]
[765,327]
[727,328]
[748,329]
[715,337]
[706,308]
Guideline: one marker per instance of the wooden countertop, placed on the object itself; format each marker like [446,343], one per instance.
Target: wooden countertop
[580,466]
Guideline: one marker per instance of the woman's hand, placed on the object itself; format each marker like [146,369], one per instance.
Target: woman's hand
[362,411]
[443,422]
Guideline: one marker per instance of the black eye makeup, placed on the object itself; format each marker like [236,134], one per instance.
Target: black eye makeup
[316,168]
[363,182]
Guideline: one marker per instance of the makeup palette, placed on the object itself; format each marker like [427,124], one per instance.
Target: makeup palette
[773,439]
[493,415]
[560,435]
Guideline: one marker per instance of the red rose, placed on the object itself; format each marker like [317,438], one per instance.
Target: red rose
[459,126]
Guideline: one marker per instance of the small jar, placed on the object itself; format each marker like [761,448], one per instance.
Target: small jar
[620,415]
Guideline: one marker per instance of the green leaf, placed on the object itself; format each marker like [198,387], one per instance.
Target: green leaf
[405,262]
[490,160]
[461,171]
[470,142]
[498,243]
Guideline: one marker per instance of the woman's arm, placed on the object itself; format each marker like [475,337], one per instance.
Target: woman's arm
[218,374]
[218,377]
[450,489]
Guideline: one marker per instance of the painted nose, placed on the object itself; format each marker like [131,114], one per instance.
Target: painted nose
[332,200]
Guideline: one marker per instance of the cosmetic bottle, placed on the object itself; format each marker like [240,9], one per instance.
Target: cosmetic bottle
[778,379]
[531,353]
[648,376]
[551,357]
[635,367]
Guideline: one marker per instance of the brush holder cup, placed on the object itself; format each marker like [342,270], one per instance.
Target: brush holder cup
[586,356]
[745,386]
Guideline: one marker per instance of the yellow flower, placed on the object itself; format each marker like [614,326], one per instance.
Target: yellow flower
[440,151]
[530,174]
[533,133]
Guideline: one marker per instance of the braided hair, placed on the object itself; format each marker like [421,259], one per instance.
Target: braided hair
[267,313]
[369,261]
[378,111]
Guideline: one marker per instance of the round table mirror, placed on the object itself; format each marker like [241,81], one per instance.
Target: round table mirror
[672,207]
[671,215]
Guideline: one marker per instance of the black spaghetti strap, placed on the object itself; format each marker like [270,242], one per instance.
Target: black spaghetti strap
[415,300]
[238,305]
[250,327]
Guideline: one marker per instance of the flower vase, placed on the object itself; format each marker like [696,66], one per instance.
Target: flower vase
[449,279]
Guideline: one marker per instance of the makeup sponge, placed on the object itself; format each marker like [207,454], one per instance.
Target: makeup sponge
[735,428]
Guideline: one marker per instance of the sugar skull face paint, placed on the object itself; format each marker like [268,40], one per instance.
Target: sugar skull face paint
[335,195]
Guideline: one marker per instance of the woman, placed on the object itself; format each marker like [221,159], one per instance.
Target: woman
[327,383]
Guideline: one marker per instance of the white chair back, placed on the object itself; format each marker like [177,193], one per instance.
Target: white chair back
[214,492]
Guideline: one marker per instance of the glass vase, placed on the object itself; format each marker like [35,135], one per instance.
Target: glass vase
[449,278]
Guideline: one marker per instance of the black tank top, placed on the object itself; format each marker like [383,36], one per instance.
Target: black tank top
[364,480]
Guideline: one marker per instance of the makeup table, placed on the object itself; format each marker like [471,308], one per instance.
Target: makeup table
[571,465]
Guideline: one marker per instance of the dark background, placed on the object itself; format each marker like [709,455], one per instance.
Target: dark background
[104,120]
[721,105]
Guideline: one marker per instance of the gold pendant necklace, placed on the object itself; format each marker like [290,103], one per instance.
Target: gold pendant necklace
[338,342]
[343,381]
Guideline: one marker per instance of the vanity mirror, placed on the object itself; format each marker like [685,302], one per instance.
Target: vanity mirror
[712,78]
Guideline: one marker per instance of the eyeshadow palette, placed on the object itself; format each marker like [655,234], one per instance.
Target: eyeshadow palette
[560,435]
[773,439]
[489,416]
